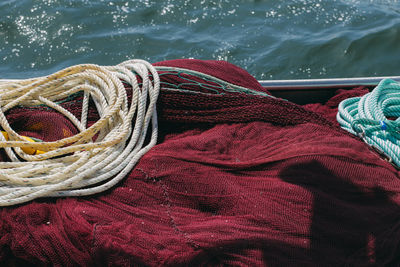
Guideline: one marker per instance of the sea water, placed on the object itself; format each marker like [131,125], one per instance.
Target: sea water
[270,39]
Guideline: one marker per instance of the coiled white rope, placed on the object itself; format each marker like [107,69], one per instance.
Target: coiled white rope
[77,165]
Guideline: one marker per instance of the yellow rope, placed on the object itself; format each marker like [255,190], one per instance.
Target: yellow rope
[27,150]
[77,165]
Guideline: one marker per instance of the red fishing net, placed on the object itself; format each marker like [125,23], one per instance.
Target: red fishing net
[236,179]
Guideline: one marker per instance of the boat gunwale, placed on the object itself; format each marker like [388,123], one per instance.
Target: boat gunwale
[318,84]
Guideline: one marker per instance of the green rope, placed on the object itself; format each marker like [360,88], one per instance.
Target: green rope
[375,118]
[214,89]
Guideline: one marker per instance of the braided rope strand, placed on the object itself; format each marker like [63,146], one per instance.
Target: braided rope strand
[371,118]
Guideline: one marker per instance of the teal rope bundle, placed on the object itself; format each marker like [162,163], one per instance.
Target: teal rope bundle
[375,118]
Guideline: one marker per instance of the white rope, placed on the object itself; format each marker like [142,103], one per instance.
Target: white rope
[77,165]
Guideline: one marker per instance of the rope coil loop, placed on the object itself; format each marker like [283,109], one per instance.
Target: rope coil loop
[375,118]
[96,158]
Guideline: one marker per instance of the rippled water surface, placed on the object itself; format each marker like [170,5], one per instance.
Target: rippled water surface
[271,39]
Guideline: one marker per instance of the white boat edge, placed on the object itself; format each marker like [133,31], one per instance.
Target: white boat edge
[324,83]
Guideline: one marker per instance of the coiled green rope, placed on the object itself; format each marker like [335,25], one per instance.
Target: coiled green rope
[375,118]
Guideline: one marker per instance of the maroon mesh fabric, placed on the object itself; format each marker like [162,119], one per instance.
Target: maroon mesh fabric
[329,109]
[235,180]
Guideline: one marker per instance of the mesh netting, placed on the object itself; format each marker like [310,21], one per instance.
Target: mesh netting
[238,179]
